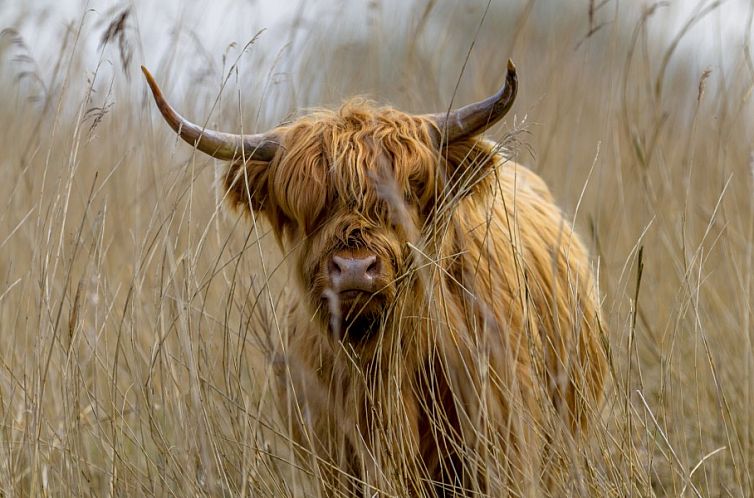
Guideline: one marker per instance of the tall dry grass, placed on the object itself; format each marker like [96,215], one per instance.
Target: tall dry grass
[136,314]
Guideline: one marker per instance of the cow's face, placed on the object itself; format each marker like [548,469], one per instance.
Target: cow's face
[346,193]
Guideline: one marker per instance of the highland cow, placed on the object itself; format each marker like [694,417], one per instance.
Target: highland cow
[444,306]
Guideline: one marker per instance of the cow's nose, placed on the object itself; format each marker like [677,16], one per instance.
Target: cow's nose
[353,273]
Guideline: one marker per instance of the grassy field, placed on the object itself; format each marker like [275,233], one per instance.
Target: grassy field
[136,312]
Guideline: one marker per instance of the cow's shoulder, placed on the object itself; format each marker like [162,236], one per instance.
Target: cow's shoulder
[522,180]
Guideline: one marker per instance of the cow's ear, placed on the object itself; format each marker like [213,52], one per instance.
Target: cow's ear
[246,185]
[469,165]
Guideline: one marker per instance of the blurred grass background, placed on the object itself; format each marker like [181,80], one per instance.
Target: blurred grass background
[136,313]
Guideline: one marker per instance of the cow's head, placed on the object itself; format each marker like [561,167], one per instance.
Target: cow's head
[346,191]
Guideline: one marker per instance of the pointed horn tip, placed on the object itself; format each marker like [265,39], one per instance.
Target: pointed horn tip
[150,79]
[511,66]
[146,72]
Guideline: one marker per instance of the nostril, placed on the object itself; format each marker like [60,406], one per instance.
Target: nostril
[373,266]
[334,267]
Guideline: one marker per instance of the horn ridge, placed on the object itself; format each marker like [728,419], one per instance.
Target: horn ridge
[225,146]
[473,119]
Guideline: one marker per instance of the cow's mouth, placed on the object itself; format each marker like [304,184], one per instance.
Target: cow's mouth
[353,296]
[361,329]
[354,315]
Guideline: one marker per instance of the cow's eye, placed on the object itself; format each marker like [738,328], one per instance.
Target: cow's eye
[410,198]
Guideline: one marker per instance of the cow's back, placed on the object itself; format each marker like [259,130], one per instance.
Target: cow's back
[533,274]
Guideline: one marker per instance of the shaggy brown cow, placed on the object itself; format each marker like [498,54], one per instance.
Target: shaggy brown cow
[446,306]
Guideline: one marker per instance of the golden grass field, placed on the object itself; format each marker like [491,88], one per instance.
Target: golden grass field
[136,312]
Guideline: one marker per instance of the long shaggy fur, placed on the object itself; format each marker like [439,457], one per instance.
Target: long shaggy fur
[488,325]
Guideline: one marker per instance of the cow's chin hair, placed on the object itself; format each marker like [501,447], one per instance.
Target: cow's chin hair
[359,328]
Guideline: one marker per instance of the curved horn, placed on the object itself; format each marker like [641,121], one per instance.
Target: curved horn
[259,147]
[473,119]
